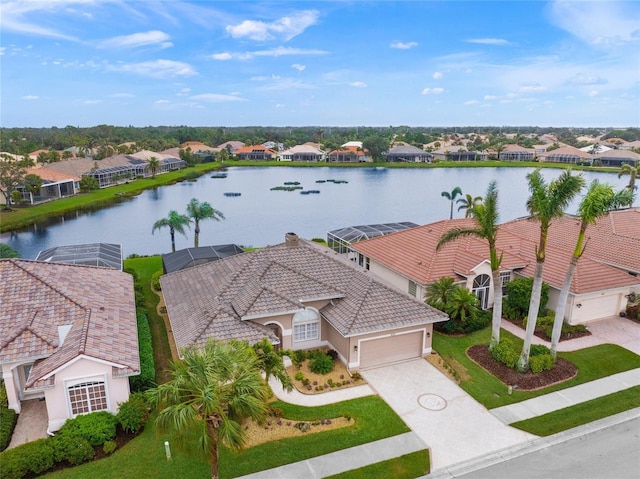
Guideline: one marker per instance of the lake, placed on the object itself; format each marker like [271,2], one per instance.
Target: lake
[259,216]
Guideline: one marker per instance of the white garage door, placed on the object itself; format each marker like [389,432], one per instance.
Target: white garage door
[598,308]
[376,352]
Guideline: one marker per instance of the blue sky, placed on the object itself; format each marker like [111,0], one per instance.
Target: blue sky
[376,63]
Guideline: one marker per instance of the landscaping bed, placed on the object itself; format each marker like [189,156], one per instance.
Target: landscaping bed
[308,382]
[562,371]
[568,331]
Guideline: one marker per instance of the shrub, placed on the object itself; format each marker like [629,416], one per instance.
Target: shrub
[333,354]
[448,327]
[155,280]
[109,447]
[147,376]
[321,364]
[132,272]
[505,353]
[8,419]
[516,303]
[33,457]
[633,311]
[299,376]
[133,413]
[476,322]
[97,427]
[541,362]
[356,376]
[88,183]
[4,401]
[538,350]
[299,357]
[73,449]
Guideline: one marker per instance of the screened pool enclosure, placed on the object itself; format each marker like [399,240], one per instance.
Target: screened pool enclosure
[340,239]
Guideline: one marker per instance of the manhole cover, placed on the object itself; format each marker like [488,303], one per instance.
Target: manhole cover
[432,402]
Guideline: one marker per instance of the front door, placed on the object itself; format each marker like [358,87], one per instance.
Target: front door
[277,330]
[481,286]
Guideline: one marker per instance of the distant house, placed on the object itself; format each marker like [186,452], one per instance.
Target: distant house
[408,154]
[617,158]
[190,257]
[54,185]
[68,336]
[231,146]
[255,152]
[299,295]
[455,153]
[307,153]
[565,154]
[349,154]
[516,153]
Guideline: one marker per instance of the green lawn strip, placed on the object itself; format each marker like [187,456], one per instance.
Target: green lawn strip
[408,466]
[145,267]
[144,456]
[593,363]
[583,413]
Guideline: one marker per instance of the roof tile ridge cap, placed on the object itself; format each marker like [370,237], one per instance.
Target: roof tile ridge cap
[51,287]
[307,276]
[205,326]
[17,331]
[84,334]
[340,261]
[36,333]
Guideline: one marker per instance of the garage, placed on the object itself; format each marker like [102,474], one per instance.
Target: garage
[375,352]
[589,309]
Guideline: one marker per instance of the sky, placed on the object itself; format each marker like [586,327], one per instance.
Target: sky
[349,63]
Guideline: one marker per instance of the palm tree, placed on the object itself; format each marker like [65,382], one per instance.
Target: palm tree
[462,304]
[598,201]
[176,222]
[212,391]
[437,294]
[467,203]
[451,197]
[154,164]
[632,171]
[485,216]
[270,362]
[201,211]
[547,202]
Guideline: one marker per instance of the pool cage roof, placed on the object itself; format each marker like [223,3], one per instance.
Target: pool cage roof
[188,257]
[94,254]
[352,234]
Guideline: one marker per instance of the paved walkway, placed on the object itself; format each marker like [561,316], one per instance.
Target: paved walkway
[32,423]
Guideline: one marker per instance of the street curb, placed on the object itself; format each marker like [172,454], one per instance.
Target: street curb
[477,463]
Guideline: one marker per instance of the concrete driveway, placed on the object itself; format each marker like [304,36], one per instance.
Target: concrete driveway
[447,419]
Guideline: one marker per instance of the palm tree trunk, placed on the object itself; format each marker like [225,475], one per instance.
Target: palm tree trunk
[562,304]
[451,214]
[534,306]
[196,234]
[497,309]
[173,240]
[213,451]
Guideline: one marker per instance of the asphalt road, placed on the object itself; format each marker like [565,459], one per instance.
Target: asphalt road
[610,453]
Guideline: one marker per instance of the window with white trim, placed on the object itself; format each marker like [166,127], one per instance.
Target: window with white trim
[505,277]
[306,325]
[87,397]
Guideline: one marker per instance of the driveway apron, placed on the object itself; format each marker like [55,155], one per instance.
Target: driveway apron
[454,426]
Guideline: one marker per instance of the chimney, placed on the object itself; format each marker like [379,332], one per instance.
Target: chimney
[291,240]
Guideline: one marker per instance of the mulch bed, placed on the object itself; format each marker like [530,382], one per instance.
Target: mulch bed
[540,333]
[562,371]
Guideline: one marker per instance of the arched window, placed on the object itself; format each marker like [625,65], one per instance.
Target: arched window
[481,289]
[306,325]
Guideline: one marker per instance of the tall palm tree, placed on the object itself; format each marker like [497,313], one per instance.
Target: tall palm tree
[212,391]
[175,222]
[451,197]
[632,171]
[598,201]
[467,203]
[270,362]
[154,164]
[485,215]
[547,202]
[201,211]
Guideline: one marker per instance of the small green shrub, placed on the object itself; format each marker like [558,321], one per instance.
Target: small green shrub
[8,419]
[541,362]
[13,464]
[505,353]
[538,350]
[97,427]
[516,303]
[299,356]
[36,456]
[72,449]
[356,376]
[476,322]
[133,413]
[155,280]
[4,401]
[299,376]
[321,364]
[448,327]
[109,447]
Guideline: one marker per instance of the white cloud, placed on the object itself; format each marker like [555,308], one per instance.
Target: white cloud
[471,102]
[433,91]
[532,88]
[358,84]
[272,52]
[151,38]
[217,97]
[162,102]
[593,93]
[490,97]
[2,50]
[265,78]
[91,102]
[156,68]
[582,79]
[279,106]
[489,41]
[184,92]
[437,75]
[30,97]
[298,66]
[122,95]
[404,45]
[13,13]
[284,28]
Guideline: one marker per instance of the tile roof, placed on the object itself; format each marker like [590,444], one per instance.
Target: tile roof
[210,300]
[38,298]
[51,175]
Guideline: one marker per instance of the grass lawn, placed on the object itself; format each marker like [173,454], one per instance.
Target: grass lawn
[144,456]
[145,267]
[408,466]
[588,411]
[592,363]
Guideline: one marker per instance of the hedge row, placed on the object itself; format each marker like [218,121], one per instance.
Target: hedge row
[8,419]
[147,377]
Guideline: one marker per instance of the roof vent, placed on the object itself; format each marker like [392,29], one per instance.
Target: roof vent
[291,240]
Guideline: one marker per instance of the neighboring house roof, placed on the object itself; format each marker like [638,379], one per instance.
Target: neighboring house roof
[234,145]
[598,148]
[357,144]
[406,150]
[40,301]
[351,234]
[51,175]
[566,151]
[253,149]
[189,257]
[305,148]
[94,254]
[218,299]
[349,149]
[619,154]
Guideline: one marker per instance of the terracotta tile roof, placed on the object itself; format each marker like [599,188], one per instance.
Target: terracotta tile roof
[38,298]
[253,148]
[51,175]
[210,300]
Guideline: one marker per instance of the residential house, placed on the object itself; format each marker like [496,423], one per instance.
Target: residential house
[605,275]
[54,185]
[255,152]
[231,146]
[456,153]
[68,335]
[512,152]
[300,295]
[617,158]
[304,152]
[349,154]
[565,154]
[408,154]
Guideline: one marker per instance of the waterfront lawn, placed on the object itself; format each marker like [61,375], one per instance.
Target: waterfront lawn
[144,456]
[593,363]
[588,411]
[408,466]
